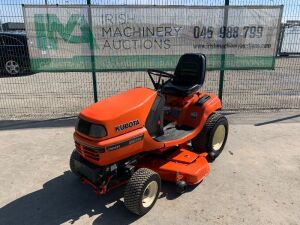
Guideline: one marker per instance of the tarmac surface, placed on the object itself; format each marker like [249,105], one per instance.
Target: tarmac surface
[256,180]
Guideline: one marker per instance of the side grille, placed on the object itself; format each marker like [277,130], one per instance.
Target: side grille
[87,152]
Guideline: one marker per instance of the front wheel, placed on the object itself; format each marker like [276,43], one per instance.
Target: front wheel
[74,156]
[213,136]
[142,191]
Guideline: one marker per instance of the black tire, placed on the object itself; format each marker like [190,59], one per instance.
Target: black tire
[74,156]
[203,142]
[136,190]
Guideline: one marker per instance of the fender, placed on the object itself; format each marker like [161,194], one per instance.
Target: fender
[203,112]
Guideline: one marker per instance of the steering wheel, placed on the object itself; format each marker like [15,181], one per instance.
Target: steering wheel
[157,85]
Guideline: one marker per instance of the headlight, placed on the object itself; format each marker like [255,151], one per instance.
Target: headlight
[90,129]
[97,131]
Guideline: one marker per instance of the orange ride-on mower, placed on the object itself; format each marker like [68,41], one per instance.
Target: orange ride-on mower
[142,136]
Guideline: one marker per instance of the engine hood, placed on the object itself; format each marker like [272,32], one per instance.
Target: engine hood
[123,112]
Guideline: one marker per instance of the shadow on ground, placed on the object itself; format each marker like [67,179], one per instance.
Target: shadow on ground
[65,199]
[277,120]
[23,74]
[25,124]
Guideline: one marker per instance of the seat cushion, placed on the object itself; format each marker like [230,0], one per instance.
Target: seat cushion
[180,90]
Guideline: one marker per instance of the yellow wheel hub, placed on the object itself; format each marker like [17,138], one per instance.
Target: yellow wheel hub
[149,194]
[218,137]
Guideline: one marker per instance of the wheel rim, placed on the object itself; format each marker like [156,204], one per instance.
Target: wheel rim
[218,137]
[12,67]
[149,194]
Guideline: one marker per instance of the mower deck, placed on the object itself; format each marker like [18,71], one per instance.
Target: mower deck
[181,165]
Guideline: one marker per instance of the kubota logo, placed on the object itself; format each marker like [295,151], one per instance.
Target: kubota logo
[48,27]
[127,125]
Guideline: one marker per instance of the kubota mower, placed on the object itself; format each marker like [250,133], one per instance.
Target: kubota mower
[142,136]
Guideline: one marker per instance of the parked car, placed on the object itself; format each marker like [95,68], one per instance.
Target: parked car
[14,55]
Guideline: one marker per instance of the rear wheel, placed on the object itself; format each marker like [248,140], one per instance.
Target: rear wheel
[142,191]
[213,136]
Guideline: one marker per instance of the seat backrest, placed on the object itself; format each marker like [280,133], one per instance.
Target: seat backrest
[190,70]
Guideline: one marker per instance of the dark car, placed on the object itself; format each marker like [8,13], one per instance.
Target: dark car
[14,55]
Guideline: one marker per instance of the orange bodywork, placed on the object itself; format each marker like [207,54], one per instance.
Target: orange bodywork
[132,105]
[135,105]
[126,106]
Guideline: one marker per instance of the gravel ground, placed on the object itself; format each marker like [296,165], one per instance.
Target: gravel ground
[255,180]
[52,95]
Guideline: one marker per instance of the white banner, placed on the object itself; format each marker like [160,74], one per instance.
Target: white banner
[122,38]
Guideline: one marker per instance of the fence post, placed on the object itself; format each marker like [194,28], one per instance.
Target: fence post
[92,48]
[223,54]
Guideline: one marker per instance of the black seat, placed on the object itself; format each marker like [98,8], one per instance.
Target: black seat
[188,77]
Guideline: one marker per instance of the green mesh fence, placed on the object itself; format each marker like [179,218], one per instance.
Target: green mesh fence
[57,87]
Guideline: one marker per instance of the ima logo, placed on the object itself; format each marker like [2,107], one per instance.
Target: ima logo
[127,125]
[49,29]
